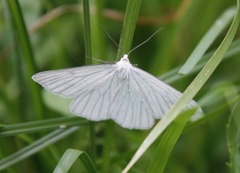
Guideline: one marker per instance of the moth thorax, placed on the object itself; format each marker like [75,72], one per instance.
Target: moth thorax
[124,67]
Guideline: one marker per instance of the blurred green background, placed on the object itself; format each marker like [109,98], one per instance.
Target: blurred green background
[56,35]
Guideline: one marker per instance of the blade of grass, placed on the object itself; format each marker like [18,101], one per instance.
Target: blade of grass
[87,32]
[172,76]
[129,24]
[206,118]
[68,159]
[107,147]
[42,125]
[88,53]
[168,140]
[24,42]
[189,93]
[233,138]
[35,147]
[211,114]
[98,36]
[220,24]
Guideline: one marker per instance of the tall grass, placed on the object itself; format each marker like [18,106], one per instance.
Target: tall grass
[38,132]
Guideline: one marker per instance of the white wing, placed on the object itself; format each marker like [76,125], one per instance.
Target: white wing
[128,107]
[159,96]
[70,82]
[91,86]
[93,103]
[140,99]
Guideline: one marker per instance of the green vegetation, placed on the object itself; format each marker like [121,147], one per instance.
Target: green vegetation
[199,40]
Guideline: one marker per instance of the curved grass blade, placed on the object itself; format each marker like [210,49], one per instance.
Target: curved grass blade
[220,24]
[68,159]
[189,93]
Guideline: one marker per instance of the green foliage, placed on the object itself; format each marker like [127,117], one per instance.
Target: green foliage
[68,159]
[37,129]
[233,134]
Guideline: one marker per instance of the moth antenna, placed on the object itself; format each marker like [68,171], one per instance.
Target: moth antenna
[144,41]
[109,36]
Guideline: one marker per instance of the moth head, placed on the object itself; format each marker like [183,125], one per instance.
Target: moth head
[124,67]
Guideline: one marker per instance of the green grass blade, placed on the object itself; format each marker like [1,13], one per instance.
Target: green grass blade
[190,92]
[210,115]
[173,76]
[35,147]
[99,45]
[129,24]
[168,141]
[107,147]
[87,31]
[24,42]
[68,159]
[217,28]
[42,125]
[88,53]
[233,138]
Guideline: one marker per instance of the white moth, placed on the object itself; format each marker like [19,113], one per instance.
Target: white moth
[130,96]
